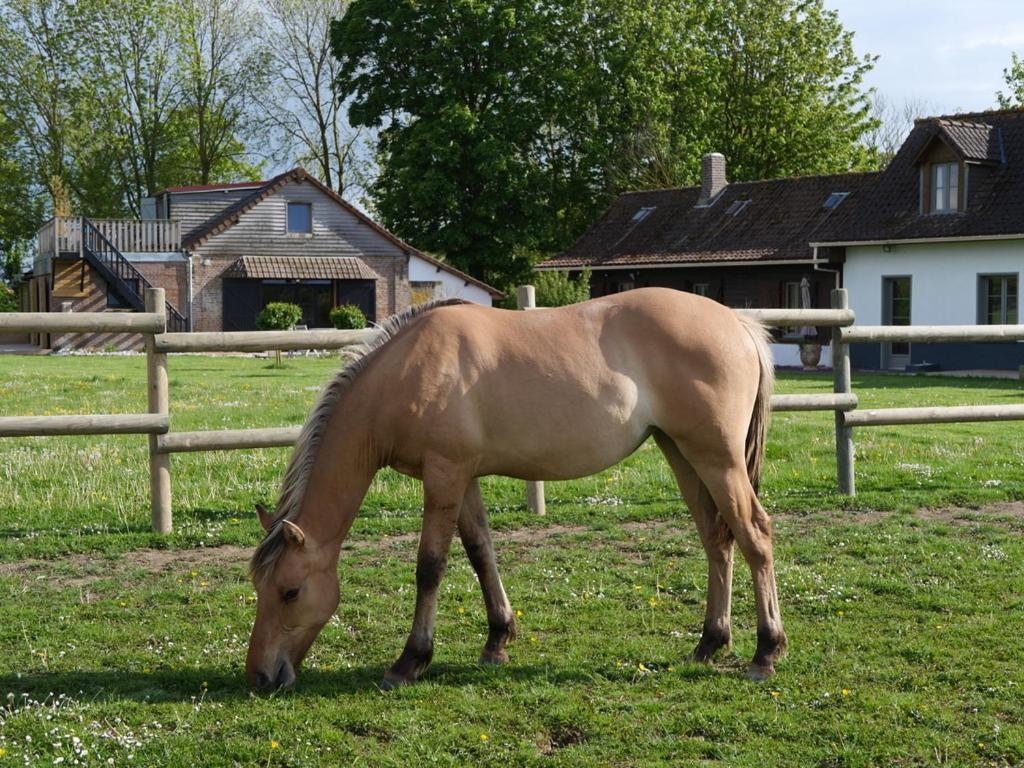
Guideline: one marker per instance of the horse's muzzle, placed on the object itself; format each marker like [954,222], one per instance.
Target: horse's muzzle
[283,677]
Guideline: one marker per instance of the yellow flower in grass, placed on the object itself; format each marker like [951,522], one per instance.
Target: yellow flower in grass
[652,602]
[2,751]
[519,614]
[775,694]
[846,691]
[274,744]
[484,737]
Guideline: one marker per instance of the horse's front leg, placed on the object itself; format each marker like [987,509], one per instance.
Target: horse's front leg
[443,490]
[476,538]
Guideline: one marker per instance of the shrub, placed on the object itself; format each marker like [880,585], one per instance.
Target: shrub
[348,317]
[8,301]
[278,316]
[556,289]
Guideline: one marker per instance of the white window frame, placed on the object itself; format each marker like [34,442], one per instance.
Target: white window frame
[984,280]
[945,187]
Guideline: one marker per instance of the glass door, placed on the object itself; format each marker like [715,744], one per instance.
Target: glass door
[896,311]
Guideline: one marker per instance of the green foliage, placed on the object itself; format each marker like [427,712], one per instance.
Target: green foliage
[278,316]
[506,126]
[556,289]
[1013,76]
[348,317]
[8,299]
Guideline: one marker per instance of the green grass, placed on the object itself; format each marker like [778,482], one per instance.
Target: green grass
[138,655]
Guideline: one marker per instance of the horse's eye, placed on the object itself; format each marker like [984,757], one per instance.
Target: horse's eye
[290,595]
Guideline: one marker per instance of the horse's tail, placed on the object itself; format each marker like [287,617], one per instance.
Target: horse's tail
[758,430]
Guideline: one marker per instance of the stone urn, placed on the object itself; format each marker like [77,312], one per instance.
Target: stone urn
[810,355]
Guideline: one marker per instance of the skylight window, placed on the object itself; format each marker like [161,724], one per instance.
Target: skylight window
[643,213]
[833,200]
[737,207]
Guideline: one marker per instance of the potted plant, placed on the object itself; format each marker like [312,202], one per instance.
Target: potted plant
[810,353]
[348,317]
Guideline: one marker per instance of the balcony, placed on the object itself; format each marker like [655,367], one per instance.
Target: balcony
[62,236]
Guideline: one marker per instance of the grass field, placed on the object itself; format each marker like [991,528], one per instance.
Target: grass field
[903,605]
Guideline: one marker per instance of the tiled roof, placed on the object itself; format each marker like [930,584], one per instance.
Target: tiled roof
[978,142]
[995,189]
[750,221]
[301,268]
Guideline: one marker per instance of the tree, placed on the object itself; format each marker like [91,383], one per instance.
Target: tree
[134,46]
[222,75]
[1013,76]
[49,103]
[557,289]
[892,123]
[303,105]
[774,85]
[505,126]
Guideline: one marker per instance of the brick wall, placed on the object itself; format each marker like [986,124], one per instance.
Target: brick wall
[172,277]
[394,292]
[208,291]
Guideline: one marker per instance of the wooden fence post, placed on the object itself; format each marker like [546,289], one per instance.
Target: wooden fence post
[842,385]
[159,397]
[526,298]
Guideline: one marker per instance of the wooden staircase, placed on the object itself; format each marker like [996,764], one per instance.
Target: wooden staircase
[121,275]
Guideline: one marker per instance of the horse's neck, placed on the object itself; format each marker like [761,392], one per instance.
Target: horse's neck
[344,467]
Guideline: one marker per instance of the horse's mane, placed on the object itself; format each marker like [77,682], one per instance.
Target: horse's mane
[296,477]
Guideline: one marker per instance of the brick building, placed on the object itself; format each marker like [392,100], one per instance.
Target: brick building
[222,252]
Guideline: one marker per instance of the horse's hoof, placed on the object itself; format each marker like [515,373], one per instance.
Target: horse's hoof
[493,658]
[390,682]
[759,672]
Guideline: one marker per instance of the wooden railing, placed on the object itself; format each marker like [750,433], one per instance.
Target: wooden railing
[63,234]
[163,442]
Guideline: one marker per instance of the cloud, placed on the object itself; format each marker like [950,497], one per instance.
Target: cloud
[1007,38]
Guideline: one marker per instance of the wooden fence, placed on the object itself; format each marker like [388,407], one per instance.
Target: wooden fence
[842,401]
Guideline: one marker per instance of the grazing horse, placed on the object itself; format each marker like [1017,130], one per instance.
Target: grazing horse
[452,391]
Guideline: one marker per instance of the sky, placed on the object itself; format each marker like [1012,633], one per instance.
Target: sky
[950,54]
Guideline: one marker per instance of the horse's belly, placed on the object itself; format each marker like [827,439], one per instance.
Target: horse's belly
[575,437]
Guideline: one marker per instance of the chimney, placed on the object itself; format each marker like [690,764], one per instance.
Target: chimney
[712,177]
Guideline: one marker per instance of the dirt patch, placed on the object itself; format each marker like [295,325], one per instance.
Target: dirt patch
[1000,512]
[82,570]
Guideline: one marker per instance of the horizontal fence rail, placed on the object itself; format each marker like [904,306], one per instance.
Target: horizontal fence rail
[938,334]
[227,439]
[94,424]
[262,341]
[948,414]
[788,317]
[153,323]
[833,402]
[82,322]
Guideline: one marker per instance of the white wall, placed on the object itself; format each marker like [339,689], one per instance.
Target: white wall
[944,277]
[788,356]
[452,286]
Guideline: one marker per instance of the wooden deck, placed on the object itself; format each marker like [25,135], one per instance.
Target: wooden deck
[63,234]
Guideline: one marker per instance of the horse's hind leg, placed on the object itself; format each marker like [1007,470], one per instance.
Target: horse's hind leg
[476,538]
[444,487]
[739,507]
[717,539]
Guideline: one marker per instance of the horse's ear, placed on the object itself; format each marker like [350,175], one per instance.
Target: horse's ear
[266,519]
[293,534]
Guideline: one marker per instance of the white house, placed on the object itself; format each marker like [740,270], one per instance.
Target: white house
[939,240]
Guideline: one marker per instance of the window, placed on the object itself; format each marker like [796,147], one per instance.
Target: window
[945,187]
[997,300]
[643,213]
[702,289]
[300,218]
[737,207]
[833,200]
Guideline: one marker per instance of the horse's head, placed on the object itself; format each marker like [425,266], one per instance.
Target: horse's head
[296,584]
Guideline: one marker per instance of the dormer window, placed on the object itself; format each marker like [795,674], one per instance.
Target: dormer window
[945,187]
